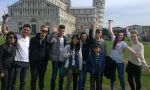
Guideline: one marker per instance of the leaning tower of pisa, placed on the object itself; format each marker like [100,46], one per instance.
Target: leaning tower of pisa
[99,4]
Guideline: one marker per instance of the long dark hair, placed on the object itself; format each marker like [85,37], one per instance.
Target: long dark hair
[116,40]
[7,38]
[86,36]
[77,47]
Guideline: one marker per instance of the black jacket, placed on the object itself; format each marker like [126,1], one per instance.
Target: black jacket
[38,51]
[7,56]
[110,65]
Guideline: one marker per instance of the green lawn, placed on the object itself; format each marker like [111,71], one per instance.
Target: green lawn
[106,86]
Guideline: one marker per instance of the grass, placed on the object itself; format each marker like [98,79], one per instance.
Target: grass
[106,84]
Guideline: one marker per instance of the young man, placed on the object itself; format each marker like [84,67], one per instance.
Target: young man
[21,63]
[38,56]
[96,67]
[58,42]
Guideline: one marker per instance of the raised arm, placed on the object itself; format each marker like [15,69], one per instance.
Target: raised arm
[91,32]
[4,26]
[110,28]
[1,55]
[131,50]
[127,31]
[91,35]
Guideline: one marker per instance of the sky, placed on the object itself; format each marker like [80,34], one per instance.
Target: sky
[122,12]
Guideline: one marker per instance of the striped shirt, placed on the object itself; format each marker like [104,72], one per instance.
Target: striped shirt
[97,64]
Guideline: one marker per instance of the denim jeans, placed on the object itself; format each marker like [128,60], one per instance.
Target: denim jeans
[72,76]
[6,82]
[82,77]
[55,67]
[38,70]
[120,68]
[20,68]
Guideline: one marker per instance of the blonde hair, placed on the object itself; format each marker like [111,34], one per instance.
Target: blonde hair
[136,32]
[43,26]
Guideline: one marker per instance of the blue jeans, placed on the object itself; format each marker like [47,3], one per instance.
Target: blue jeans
[20,68]
[120,68]
[55,67]
[82,77]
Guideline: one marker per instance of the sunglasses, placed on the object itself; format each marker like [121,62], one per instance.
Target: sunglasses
[98,32]
[12,37]
[26,30]
[44,31]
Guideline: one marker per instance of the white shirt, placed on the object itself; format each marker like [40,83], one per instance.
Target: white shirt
[139,48]
[117,53]
[141,60]
[22,52]
[61,40]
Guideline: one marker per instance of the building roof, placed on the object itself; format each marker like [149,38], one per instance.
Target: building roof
[82,8]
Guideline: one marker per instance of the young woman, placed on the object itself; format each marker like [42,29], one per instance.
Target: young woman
[133,68]
[117,55]
[73,55]
[7,55]
[85,49]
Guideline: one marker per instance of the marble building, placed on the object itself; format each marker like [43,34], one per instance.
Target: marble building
[54,13]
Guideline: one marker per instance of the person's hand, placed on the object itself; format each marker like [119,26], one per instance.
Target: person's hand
[55,29]
[2,75]
[110,21]
[147,69]
[138,55]
[127,28]
[5,17]
[92,26]
[66,55]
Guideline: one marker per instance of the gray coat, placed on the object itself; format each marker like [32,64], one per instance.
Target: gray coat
[55,46]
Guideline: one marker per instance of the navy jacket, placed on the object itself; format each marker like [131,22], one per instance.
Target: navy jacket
[91,63]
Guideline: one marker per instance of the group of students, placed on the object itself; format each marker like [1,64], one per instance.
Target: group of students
[85,53]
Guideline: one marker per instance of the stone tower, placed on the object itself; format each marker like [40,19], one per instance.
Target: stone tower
[99,4]
[68,4]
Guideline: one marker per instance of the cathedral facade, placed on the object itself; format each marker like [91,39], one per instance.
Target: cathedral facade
[53,13]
